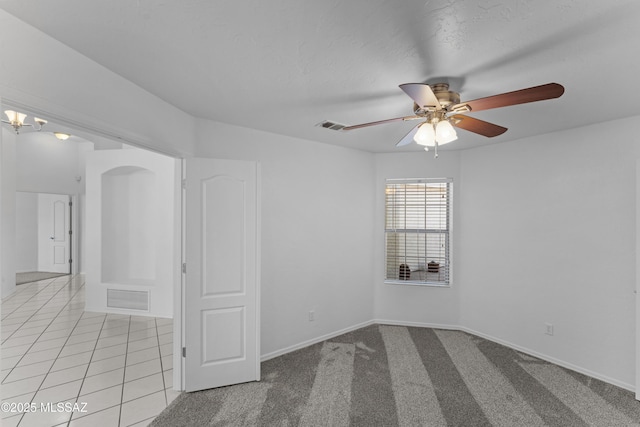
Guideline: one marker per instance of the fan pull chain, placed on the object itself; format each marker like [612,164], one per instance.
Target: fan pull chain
[435,155]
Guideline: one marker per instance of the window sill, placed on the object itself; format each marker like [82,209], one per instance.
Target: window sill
[414,283]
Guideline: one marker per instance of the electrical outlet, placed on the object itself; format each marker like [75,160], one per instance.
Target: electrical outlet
[312,316]
[549,328]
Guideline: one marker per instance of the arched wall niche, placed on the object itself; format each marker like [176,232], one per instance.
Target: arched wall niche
[132,232]
[129,226]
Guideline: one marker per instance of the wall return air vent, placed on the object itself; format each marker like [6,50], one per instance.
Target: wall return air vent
[128,300]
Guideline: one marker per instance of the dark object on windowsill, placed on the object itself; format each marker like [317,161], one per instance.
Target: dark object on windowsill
[433,267]
[405,272]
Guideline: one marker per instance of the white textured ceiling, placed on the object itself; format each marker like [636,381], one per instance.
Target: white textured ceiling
[284,65]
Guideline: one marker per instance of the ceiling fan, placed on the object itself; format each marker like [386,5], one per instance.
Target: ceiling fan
[440,110]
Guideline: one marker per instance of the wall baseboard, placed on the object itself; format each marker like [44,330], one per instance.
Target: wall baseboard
[550,359]
[415,324]
[312,341]
[516,347]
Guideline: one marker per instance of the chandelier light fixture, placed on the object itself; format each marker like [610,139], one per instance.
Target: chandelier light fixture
[16,120]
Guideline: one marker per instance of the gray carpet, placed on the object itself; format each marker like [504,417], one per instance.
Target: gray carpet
[34,276]
[398,376]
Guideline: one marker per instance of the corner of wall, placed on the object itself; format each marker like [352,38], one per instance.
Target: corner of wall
[7,213]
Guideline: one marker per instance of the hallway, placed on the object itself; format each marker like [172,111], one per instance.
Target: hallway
[108,369]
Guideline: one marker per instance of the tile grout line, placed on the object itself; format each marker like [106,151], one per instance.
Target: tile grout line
[146,376]
[124,373]
[112,370]
[164,384]
[147,420]
[82,342]
[59,311]
[84,377]
[120,404]
[69,283]
[49,370]
[25,291]
[33,343]
[31,296]
[56,307]
[87,351]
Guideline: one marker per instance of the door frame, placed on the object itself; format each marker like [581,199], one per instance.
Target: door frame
[88,126]
[71,229]
[73,220]
[100,129]
[637,288]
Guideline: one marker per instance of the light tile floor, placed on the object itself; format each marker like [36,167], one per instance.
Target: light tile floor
[117,368]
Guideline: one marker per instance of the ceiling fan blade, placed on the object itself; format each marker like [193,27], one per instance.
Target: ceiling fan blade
[408,138]
[522,96]
[477,126]
[379,122]
[422,94]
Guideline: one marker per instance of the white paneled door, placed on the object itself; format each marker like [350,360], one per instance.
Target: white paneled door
[54,239]
[222,273]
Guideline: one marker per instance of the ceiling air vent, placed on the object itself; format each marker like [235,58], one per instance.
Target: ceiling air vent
[330,125]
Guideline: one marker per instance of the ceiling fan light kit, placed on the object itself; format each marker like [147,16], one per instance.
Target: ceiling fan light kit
[426,135]
[440,110]
[445,132]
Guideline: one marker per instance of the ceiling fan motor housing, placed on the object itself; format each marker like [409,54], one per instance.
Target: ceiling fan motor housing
[444,95]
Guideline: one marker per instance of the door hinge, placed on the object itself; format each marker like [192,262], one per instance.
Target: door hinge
[184,268]
[184,351]
[70,203]
[69,232]
[184,184]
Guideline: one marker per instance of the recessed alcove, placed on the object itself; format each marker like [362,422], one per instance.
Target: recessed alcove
[129,226]
[132,232]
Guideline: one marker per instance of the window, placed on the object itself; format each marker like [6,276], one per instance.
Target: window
[417,231]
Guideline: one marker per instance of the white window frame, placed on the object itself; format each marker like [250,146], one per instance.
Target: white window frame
[423,273]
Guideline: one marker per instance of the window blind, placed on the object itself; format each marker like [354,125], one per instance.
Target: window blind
[417,230]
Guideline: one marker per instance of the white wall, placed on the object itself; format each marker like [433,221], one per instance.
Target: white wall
[420,305]
[84,150]
[46,164]
[317,222]
[544,231]
[26,227]
[548,236]
[78,91]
